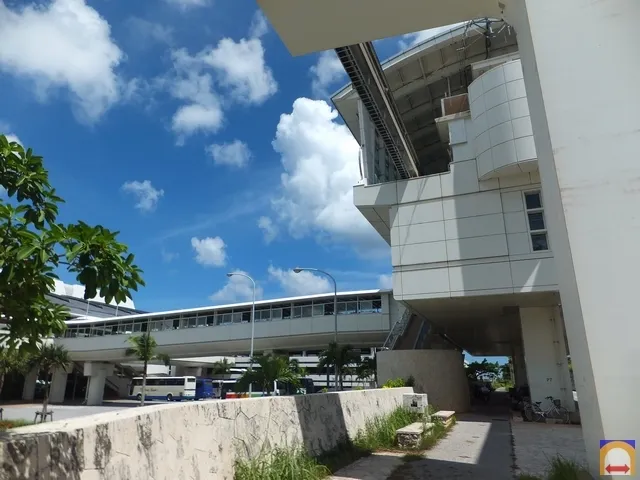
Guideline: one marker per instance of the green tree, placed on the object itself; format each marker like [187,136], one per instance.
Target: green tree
[144,348]
[366,369]
[505,371]
[11,360]
[34,245]
[47,358]
[269,369]
[344,357]
[475,370]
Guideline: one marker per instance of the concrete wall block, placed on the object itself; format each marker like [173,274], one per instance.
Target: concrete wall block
[202,439]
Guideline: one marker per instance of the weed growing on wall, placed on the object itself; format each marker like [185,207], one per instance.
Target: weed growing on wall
[281,464]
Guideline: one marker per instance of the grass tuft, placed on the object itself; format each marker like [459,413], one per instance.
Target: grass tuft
[380,432]
[281,464]
[561,469]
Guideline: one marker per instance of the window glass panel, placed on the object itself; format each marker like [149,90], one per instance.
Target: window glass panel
[318,310]
[377,305]
[202,321]
[246,316]
[184,323]
[366,306]
[136,327]
[352,307]
[533,200]
[264,315]
[328,309]
[286,312]
[342,308]
[539,242]
[306,311]
[536,221]
[210,319]
[276,313]
[297,312]
[237,317]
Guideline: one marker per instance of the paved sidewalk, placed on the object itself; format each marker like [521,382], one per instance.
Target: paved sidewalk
[378,466]
[477,448]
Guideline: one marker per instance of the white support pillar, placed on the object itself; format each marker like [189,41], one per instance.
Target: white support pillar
[97,373]
[545,356]
[58,386]
[29,389]
[580,69]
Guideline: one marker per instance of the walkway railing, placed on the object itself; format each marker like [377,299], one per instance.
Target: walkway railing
[397,330]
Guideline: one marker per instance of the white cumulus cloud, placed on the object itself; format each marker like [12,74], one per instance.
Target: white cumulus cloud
[242,69]
[237,289]
[303,283]
[259,26]
[411,39]
[210,251]
[188,4]
[327,71]
[202,111]
[63,44]
[147,196]
[234,154]
[269,229]
[320,160]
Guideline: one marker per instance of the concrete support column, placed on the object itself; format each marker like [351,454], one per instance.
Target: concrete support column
[545,355]
[519,367]
[587,137]
[58,386]
[29,389]
[97,373]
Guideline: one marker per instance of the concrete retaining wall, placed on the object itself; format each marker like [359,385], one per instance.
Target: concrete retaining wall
[196,440]
[438,373]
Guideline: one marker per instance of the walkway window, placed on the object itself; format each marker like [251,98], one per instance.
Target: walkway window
[536,222]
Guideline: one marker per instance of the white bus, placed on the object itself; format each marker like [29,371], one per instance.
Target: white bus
[164,388]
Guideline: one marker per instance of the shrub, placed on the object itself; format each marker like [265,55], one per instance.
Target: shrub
[9,424]
[394,383]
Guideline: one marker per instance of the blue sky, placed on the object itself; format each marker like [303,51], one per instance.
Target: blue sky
[187,126]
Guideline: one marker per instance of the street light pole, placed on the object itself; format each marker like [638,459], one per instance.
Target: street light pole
[253,320]
[335,315]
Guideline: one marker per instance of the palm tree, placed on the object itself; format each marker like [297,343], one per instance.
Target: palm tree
[366,369]
[221,367]
[341,358]
[269,369]
[144,348]
[47,358]
[11,360]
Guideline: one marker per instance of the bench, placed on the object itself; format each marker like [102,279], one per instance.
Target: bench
[445,416]
[411,435]
[39,414]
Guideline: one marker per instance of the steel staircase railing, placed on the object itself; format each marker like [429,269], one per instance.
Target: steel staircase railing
[397,330]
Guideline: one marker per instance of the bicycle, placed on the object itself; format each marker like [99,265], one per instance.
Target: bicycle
[533,412]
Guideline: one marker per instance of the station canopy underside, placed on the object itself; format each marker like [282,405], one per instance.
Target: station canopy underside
[486,325]
[420,77]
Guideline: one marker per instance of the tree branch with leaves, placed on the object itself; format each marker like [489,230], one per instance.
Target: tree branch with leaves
[34,246]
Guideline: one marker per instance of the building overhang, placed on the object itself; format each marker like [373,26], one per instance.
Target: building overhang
[374,202]
[315,25]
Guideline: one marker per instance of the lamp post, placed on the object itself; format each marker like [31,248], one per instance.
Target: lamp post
[253,319]
[335,315]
